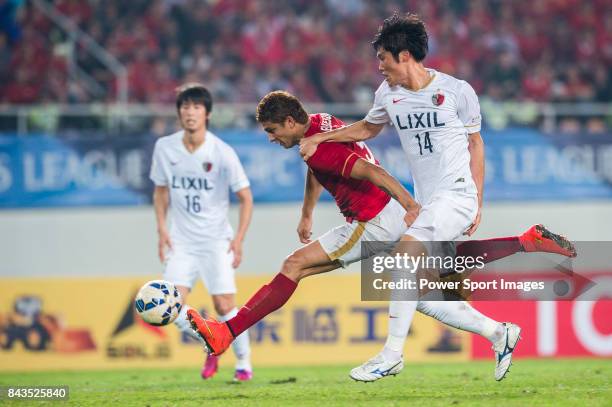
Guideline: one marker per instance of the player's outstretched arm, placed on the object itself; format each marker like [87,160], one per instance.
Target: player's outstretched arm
[312,192]
[385,181]
[245,199]
[477,168]
[161,201]
[358,131]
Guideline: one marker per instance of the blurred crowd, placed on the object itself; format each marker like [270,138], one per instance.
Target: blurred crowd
[541,50]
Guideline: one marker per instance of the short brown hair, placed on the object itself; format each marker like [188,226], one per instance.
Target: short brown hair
[276,106]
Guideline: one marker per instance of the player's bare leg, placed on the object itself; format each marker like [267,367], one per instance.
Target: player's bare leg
[308,260]
[226,310]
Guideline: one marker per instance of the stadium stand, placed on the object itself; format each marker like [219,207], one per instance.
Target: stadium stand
[544,52]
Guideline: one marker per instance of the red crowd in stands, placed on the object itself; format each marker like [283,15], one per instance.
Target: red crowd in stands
[552,50]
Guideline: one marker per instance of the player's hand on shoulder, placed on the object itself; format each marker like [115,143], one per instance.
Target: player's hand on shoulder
[308,146]
[163,245]
[472,229]
[236,247]
[304,229]
[411,215]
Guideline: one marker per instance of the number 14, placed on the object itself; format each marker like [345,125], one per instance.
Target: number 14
[426,143]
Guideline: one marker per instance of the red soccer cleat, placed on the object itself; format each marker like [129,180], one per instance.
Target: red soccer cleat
[211,366]
[216,334]
[243,375]
[539,239]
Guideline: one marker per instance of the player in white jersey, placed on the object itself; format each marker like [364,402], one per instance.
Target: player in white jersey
[194,171]
[437,118]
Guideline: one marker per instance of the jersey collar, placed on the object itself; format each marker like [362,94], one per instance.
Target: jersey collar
[209,140]
[432,77]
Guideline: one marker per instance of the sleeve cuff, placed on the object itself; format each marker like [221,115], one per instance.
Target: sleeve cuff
[160,182]
[382,120]
[240,185]
[348,165]
[474,128]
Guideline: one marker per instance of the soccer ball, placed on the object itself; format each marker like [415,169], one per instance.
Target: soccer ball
[158,302]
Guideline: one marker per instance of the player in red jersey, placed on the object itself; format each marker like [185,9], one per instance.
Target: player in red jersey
[363,192]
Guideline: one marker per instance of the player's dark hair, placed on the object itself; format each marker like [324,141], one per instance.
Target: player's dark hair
[194,93]
[276,106]
[402,33]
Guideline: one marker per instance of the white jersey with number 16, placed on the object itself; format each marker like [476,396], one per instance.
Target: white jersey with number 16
[199,184]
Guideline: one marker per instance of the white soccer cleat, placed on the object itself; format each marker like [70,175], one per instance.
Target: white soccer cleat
[376,368]
[503,349]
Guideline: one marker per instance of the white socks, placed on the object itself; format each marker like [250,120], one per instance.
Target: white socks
[461,315]
[458,314]
[400,318]
[240,346]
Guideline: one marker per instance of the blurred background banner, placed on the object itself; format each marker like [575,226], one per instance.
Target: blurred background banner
[40,329]
[524,165]
[97,170]
[553,328]
[46,171]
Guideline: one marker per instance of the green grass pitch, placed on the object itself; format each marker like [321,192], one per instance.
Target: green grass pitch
[544,382]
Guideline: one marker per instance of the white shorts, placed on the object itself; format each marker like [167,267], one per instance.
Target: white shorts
[343,243]
[447,215]
[211,262]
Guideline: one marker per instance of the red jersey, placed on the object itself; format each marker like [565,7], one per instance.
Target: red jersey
[332,164]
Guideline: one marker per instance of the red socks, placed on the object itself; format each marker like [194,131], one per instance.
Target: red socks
[496,248]
[268,299]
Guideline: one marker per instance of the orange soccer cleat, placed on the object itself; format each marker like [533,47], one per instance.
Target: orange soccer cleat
[540,239]
[216,334]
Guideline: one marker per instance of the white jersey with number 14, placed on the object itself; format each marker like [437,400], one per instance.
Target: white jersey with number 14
[433,124]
